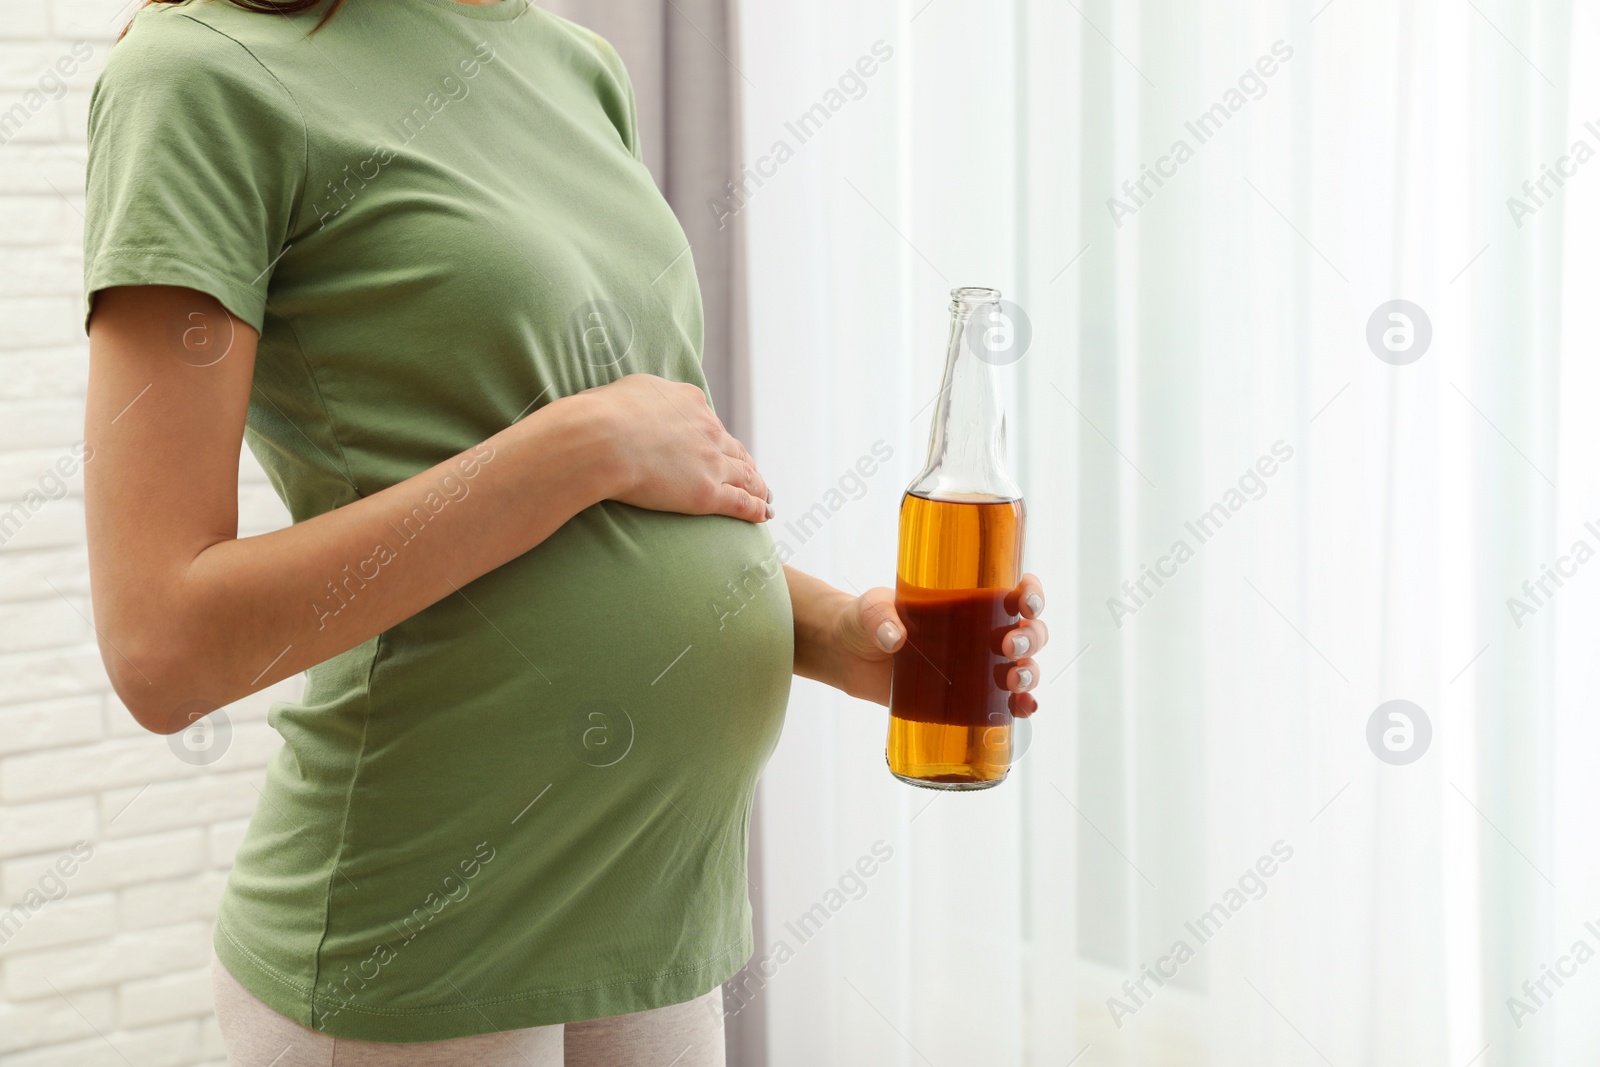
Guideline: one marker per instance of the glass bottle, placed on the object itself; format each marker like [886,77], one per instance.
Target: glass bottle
[961,532]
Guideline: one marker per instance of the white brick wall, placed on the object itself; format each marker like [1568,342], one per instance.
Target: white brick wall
[115,971]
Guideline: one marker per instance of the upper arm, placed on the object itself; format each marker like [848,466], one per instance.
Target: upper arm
[169,386]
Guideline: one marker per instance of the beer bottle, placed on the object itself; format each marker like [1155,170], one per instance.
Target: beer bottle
[961,527]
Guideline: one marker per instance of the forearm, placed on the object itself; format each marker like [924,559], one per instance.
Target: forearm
[817,608]
[243,613]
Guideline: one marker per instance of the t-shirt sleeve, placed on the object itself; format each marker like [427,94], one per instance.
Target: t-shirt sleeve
[197,159]
[628,123]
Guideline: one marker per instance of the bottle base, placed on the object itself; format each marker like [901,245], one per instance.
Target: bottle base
[947,756]
[951,783]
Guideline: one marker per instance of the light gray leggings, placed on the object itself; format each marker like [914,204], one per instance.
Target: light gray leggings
[682,1035]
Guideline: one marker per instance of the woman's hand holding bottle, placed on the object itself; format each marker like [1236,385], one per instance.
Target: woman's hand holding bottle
[849,642]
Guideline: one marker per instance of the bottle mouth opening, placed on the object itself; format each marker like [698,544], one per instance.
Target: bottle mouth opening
[973,296]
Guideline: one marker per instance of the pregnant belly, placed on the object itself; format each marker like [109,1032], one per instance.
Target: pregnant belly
[594,715]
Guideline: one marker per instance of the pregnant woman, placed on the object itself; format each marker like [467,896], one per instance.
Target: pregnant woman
[413,258]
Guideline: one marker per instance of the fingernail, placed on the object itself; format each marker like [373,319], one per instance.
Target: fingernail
[1024,678]
[888,634]
[769,511]
[1019,645]
[1036,602]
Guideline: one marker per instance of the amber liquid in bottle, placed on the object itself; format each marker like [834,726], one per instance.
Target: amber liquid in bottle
[949,718]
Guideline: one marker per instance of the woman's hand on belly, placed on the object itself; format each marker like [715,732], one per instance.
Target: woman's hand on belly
[672,453]
[849,642]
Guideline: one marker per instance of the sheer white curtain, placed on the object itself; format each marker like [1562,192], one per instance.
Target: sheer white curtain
[1209,370]
[856,138]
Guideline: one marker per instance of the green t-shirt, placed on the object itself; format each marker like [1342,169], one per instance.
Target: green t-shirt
[529,803]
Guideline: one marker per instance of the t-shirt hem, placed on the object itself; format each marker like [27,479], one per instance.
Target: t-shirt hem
[597,999]
[135,266]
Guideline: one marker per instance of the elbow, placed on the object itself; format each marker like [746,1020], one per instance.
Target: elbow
[157,721]
[150,704]
[159,688]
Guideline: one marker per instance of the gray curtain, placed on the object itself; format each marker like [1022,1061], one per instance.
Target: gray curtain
[682,56]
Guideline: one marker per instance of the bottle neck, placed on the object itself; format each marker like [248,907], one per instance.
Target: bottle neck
[967,444]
